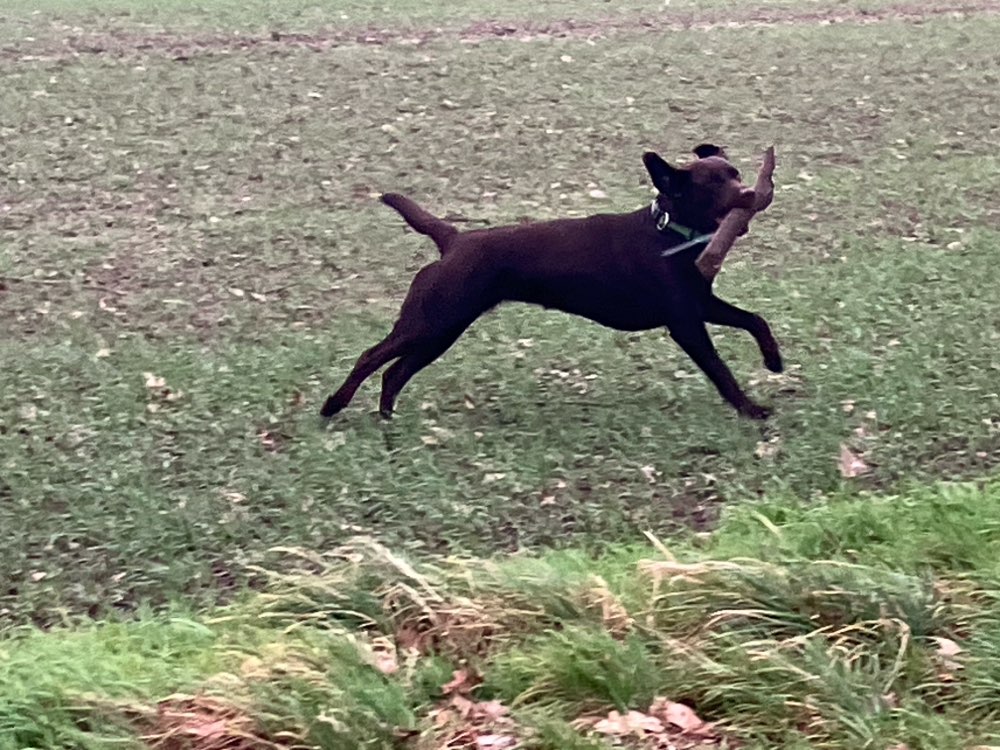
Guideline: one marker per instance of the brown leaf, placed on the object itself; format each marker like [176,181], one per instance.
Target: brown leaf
[209,729]
[268,440]
[947,653]
[851,465]
[442,717]
[632,723]
[677,714]
[489,741]
[491,710]
[463,705]
[947,647]
[462,682]
[769,448]
[386,663]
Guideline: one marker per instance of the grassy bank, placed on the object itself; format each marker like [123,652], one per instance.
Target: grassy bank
[863,623]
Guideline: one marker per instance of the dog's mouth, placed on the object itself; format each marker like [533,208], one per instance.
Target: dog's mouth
[746,199]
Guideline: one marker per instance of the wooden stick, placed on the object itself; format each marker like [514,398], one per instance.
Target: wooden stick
[737,221]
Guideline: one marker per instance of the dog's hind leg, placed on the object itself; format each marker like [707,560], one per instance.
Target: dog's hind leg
[722,313]
[433,315]
[388,349]
[692,337]
[398,375]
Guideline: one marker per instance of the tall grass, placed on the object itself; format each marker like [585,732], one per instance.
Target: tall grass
[792,627]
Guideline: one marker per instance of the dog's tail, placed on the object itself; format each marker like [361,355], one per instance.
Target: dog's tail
[422,221]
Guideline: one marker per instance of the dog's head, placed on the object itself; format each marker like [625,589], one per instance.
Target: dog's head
[699,194]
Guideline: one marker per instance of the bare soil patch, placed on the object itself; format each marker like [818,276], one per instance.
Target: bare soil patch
[128,43]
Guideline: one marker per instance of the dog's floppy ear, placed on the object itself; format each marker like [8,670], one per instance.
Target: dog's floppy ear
[709,149]
[666,178]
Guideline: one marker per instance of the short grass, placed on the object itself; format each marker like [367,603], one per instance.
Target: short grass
[864,622]
[40,16]
[209,222]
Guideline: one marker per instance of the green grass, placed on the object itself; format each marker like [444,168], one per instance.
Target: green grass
[191,258]
[231,246]
[783,640]
[306,15]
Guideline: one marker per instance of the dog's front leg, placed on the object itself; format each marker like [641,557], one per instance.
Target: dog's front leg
[693,338]
[722,313]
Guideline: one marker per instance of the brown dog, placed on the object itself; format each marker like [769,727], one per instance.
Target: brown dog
[631,272]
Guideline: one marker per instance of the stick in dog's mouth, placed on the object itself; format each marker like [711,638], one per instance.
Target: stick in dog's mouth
[737,221]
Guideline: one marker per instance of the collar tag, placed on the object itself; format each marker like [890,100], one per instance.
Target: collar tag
[661,216]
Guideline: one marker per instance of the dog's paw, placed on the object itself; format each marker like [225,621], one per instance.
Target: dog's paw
[331,407]
[754,411]
[385,413]
[773,362]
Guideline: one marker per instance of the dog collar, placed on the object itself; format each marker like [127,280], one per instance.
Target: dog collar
[663,224]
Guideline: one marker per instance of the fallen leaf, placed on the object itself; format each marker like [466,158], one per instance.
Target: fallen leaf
[492,709]
[269,441]
[851,465]
[634,722]
[681,716]
[464,706]
[947,647]
[462,681]
[768,449]
[947,651]
[209,729]
[443,717]
[495,741]
[154,382]
[386,663]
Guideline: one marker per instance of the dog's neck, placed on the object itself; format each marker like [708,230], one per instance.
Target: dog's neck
[665,224]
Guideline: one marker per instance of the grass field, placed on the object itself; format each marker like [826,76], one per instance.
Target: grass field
[191,257]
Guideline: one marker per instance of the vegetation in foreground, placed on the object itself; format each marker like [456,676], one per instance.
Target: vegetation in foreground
[863,623]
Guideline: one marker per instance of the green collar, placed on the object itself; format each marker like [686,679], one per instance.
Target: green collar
[663,222]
